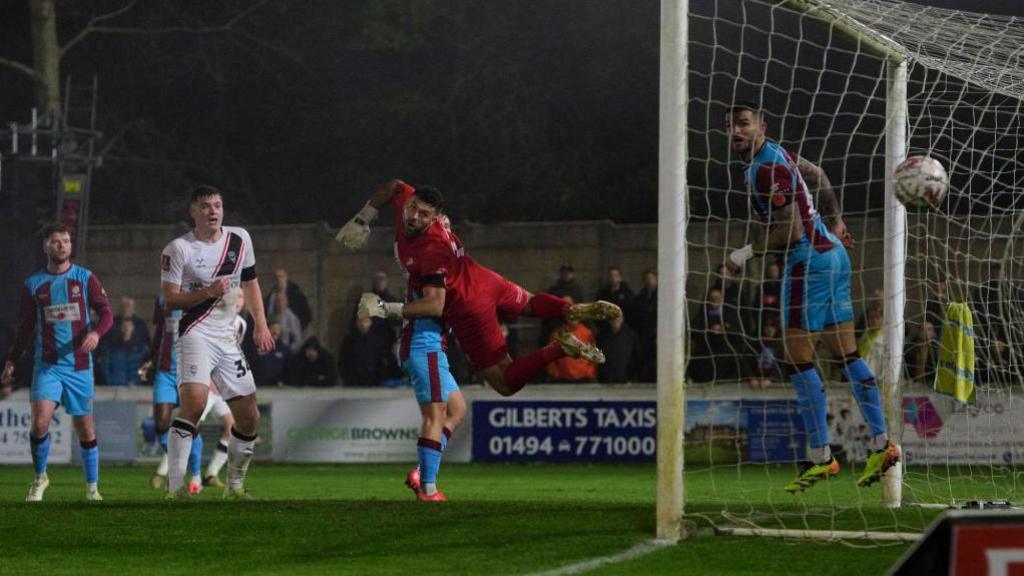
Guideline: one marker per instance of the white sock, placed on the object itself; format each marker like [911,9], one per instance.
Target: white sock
[240,450]
[161,469]
[429,489]
[879,442]
[91,487]
[179,445]
[217,461]
[821,454]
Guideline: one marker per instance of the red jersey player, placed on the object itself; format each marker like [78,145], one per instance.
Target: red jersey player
[474,298]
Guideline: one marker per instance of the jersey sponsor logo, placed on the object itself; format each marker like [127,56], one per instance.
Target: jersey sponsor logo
[165,262]
[61,313]
[778,199]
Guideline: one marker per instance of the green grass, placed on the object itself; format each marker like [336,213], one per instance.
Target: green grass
[501,519]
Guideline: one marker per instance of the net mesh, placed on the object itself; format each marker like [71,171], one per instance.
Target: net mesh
[822,86]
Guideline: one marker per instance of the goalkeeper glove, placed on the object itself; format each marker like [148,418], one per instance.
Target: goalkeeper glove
[740,256]
[356,231]
[371,306]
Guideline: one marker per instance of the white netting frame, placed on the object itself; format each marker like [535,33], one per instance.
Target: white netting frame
[989,88]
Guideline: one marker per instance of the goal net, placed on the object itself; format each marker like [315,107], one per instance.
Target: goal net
[821,72]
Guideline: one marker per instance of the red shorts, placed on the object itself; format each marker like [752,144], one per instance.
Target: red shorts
[474,318]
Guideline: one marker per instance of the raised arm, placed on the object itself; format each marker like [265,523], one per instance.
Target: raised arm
[356,231]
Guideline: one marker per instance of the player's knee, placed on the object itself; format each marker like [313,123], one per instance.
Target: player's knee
[40,427]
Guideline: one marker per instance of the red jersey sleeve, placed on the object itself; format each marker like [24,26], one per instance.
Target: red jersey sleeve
[98,300]
[435,262]
[402,194]
[158,331]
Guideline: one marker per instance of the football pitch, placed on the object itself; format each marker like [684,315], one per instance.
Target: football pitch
[500,519]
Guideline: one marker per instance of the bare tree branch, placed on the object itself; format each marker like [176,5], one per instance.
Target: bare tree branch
[23,68]
[92,26]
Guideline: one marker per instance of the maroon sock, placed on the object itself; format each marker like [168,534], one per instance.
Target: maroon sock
[548,307]
[524,368]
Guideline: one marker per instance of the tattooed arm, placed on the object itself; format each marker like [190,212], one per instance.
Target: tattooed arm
[825,199]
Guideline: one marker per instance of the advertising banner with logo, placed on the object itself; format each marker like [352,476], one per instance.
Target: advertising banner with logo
[353,430]
[15,420]
[939,430]
[563,431]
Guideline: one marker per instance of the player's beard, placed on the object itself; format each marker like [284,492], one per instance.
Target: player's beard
[411,230]
[59,260]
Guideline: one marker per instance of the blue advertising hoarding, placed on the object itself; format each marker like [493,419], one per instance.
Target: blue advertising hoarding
[563,431]
[625,431]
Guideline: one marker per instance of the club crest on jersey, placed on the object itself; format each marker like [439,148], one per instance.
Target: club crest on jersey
[76,291]
[232,255]
[778,199]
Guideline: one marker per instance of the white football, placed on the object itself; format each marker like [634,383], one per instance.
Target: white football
[920,182]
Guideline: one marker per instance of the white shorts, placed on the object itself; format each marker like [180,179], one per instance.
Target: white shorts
[215,403]
[202,358]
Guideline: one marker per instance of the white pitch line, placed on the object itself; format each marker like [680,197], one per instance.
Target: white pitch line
[637,551]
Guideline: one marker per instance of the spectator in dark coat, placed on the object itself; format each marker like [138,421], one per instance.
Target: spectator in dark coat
[621,347]
[122,357]
[366,358]
[268,367]
[140,330]
[296,299]
[616,291]
[565,287]
[645,322]
[311,366]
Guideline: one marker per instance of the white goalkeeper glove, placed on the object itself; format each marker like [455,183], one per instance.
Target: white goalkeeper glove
[356,231]
[740,256]
[371,306]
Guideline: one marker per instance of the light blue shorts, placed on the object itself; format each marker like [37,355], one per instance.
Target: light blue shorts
[816,291]
[431,379]
[165,389]
[66,386]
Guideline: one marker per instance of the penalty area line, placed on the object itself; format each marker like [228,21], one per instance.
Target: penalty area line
[641,549]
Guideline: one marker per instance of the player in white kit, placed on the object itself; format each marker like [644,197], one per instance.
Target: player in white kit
[199,274]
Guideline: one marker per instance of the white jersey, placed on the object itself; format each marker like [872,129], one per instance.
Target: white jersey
[193,265]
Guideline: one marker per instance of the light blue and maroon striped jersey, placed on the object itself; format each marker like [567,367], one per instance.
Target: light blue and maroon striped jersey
[774,182]
[164,335]
[56,308]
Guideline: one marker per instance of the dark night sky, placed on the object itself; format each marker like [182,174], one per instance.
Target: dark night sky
[523,110]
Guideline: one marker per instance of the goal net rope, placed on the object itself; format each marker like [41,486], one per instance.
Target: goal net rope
[819,71]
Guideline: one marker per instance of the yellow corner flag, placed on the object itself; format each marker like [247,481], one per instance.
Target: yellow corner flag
[955,371]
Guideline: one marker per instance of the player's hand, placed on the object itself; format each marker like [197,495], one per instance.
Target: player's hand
[219,287]
[354,234]
[89,343]
[264,341]
[370,306]
[7,378]
[144,370]
[843,233]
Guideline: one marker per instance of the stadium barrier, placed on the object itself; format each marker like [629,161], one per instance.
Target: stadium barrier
[548,423]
